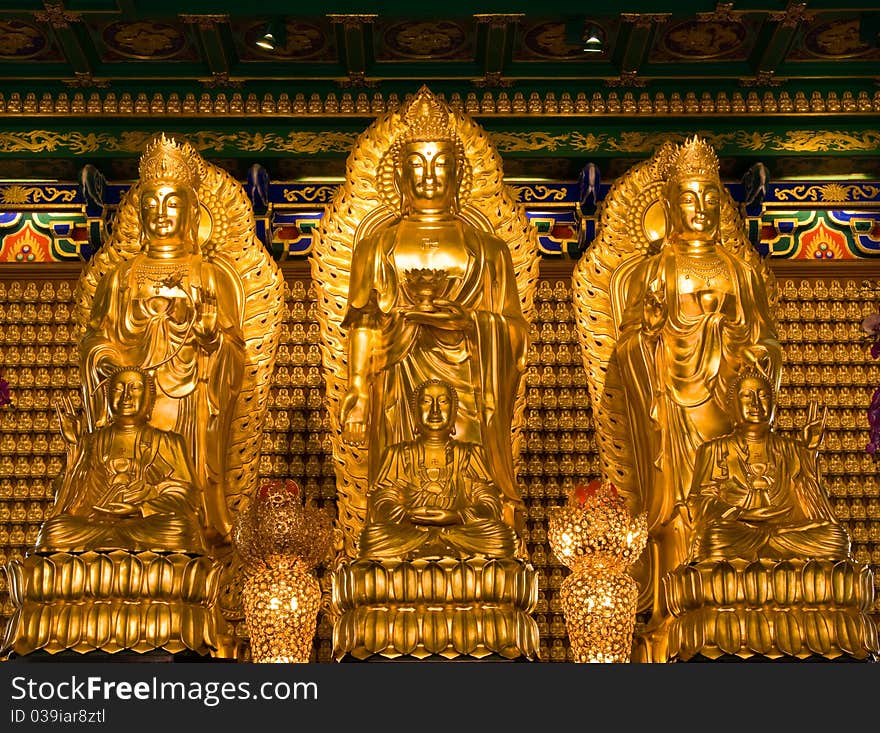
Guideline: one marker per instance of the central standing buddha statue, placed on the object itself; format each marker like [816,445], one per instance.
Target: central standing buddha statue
[440,274]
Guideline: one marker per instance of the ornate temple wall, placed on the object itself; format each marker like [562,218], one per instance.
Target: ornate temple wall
[827,359]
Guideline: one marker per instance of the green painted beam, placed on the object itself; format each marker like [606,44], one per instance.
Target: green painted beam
[558,139]
[450,7]
[634,44]
[353,33]
[74,46]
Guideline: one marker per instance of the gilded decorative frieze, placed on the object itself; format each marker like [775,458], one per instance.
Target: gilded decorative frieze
[17,194]
[309,194]
[541,192]
[487,102]
[80,143]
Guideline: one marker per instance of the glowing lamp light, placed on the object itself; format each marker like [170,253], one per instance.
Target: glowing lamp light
[280,540]
[594,39]
[597,538]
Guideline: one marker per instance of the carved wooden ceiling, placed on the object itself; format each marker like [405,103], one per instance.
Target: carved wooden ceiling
[798,81]
[145,45]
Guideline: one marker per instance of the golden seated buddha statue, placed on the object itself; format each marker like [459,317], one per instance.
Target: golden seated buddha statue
[434,495]
[757,494]
[770,572]
[129,485]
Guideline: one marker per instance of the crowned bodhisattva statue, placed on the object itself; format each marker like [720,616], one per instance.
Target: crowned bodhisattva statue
[675,317]
[428,309]
[180,312]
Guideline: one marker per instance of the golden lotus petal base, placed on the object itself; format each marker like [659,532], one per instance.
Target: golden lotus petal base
[445,607]
[113,601]
[773,609]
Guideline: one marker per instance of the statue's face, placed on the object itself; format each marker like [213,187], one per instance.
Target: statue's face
[754,400]
[695,209]
[165,211]
[128,394]
[435,408]
[428,175]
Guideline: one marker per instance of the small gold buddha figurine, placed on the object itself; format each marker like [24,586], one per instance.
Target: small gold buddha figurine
[30,293]
[434,495]
[128,485]
[758,494]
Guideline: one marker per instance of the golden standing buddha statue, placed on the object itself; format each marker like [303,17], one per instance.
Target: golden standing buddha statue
[432,296]
[426,277]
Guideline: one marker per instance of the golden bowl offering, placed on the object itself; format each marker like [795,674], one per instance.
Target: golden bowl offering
[424,286]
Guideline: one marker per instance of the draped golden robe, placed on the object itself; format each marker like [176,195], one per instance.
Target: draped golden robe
[159,468]
[483,363]
[802,524]
[139,322]
[463,485]
[676,381]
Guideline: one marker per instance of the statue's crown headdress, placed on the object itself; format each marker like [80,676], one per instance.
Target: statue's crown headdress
[426,118]
[694,158]
[168,160]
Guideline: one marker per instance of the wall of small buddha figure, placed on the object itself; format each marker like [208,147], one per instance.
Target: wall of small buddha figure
[826,358]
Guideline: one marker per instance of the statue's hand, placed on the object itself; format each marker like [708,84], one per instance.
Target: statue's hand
[757,356]
[117,509]
[447,314]
[813,432]
[434,516]
[353,417]
[764,513]
[205,327]
[71,423]
[655,311]
[135,493]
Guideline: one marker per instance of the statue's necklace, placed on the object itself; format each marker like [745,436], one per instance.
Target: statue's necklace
[160,272]
[706,269]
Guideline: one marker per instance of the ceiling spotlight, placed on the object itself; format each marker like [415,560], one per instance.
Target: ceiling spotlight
[274,35]
[594,39]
